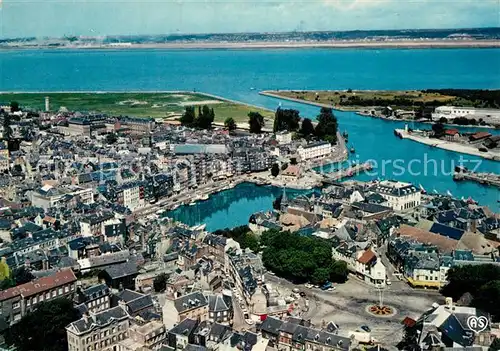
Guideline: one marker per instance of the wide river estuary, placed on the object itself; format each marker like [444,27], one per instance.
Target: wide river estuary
[241,74]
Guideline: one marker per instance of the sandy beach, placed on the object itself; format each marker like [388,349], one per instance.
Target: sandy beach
[337,44]
[450,146]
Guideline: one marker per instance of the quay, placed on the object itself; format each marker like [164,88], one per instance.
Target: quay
[333,178]
[489,179]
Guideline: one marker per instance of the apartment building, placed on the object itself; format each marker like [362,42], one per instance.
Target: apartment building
[49,196]
[400,196]
[191,306]
[93,224]
[16,302]
[314,150]
[149,336]
[99,331]
[93,299]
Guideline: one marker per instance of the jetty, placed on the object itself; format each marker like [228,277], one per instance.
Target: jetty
[490,179]
[334,177]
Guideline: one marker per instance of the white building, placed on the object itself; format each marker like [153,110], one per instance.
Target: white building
[49,196]
[400,196]
[315,150]
[284,137]
[489,116]
[370,268]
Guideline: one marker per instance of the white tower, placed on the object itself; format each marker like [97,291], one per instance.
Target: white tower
[47,104]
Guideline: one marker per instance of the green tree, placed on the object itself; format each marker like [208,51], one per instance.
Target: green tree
[7,130]
[410,340]
[275,170]
[160,282]
[4,270]
[338,271]
[326,128]
[495,345]
[205,117]
[277,203]
[284,166]
[438,129]
[320,276]
[255,122]
[243,235]
[111,138]
[14,106]
[307,127]
[230,124]
[293,160]
[286,119]
[487,298]
[46,326]
[188,117]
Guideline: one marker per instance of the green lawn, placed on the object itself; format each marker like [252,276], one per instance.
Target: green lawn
[155,105]
[335,98]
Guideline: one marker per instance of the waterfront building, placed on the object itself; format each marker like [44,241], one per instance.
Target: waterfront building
[489,116]
[400,196]
[48,196]
[314,150]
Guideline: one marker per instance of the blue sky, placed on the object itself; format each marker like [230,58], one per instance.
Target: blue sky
[20,18]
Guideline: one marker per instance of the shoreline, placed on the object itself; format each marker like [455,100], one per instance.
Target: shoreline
[358,110]
[339,44]
[447,145]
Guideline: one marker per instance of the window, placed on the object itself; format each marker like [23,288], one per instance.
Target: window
[60,291]
[16,305]
[47,296]
[54,293]
[17,316]
[66,289]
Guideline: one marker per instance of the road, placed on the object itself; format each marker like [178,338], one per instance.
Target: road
[346,306]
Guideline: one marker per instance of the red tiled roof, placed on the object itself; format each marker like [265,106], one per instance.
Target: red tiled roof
[480,135]
[36,286]
[409,322]
[451,131]
[444,243]
[367,257]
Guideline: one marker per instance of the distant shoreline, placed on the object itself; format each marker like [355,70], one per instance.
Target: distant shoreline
[393,44]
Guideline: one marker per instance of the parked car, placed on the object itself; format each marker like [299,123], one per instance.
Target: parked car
[302,294]
[366,328]
[308,286]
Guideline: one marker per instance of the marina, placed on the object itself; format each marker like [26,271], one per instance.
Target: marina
[489,179]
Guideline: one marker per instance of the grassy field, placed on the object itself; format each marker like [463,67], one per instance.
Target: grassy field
[345,98]
[156,105]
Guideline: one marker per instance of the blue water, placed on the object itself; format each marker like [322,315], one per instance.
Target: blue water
[231,73]
[231,208]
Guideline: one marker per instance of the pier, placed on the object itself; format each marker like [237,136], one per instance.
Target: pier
[489,179]
[333,178]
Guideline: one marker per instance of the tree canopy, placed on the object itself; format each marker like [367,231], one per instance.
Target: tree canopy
[160,282]
[481,281]
[326,128]
[14,106]
[255,122]
[243,235]
[204,119]
[44,328]
[230,124]
[286,119]
[307,127]
[301,258]
[17,277]
[275,170]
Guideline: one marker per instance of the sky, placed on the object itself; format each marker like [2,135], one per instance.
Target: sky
[56,18]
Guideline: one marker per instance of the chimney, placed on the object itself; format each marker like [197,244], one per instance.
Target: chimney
[449,303]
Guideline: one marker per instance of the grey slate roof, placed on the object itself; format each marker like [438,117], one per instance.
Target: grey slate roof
[185,327]
[100,319]
[139,304]
[122,270]
[216,303]
[190,301]
[271,325]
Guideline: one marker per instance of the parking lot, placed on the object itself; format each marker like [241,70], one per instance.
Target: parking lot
[346,306]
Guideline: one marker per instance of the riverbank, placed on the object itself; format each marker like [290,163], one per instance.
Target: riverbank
[359,110]
[157,104]
[333,44]
[448,145]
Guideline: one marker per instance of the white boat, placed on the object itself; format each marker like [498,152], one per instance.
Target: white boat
[192,203]
[204,197]
[449,193]
[199,227]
